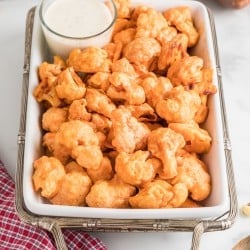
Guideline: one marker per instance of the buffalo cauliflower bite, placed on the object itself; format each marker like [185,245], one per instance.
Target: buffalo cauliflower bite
[163,143]
[102,123]
[172,51]
[181,18]
[78,111]
[89,60]
[136,168]
[104,172]
[186,71]
[197,139]
[123,65]
[48,175]
[88,156]
[150,23]
[128,133]
[155,88]
[99,80]
[143,112]
[99,102]
[159,194]
[53,118]
[74,188]
[125,88]
[125,36]
[194,174]
[114,50]
[70,86]
[123,8]
[110,194]
[141,52]
[45,91]
[179,105]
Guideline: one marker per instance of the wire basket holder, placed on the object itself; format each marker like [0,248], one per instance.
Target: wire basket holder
[56,224]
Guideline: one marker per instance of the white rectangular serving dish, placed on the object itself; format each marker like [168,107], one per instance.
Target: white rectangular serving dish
[217,203]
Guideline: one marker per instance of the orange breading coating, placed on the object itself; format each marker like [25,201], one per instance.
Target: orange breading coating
[53,117]
[57,60]
[122,24]
[89,60]
[53,148]
[74,133]
[123,8]
[48,175]
[150,23]
[143,112]
[163,143]
[74,188]
[136,168]
[99,80]
[173,51]
[70,86]
[197,139]
[166,34]
[187,71]
[104,172]
[99,102]
[181,18]
[190,204]
[114,50]
[102,123]
[123,65]
[45,90]
[155,88]
[125,36]
[179,105]
[110,194]
[88,156]
[78,111]
[159,194]
[142,51]
[206,86]
[125,88]
[128,133]
[194,174]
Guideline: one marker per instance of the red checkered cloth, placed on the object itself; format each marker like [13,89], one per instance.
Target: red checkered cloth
[15,234]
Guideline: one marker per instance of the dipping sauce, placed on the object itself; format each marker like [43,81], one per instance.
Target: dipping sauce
[69,24]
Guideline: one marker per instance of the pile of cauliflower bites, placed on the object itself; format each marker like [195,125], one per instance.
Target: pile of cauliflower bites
[122,123]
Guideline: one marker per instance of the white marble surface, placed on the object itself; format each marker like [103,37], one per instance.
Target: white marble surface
[233,31]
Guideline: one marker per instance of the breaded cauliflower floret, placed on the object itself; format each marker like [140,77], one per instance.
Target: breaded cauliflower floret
[173,51]
[186,71]
[48,175]
[99,80]
[125,88]
[99,102]
[178,105]
[159,194]
[181,18]
[78,111]
[194,174]
[123,8]
[163,143]
[104,172]
[89,60]
[128,133]
[53,118]
[45,91]
[110,194]
[142,51]
[197,139]
[70,86]
[136,168]
[156,88]
[74,187]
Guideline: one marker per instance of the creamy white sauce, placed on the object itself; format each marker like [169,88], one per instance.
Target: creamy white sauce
[78,18]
